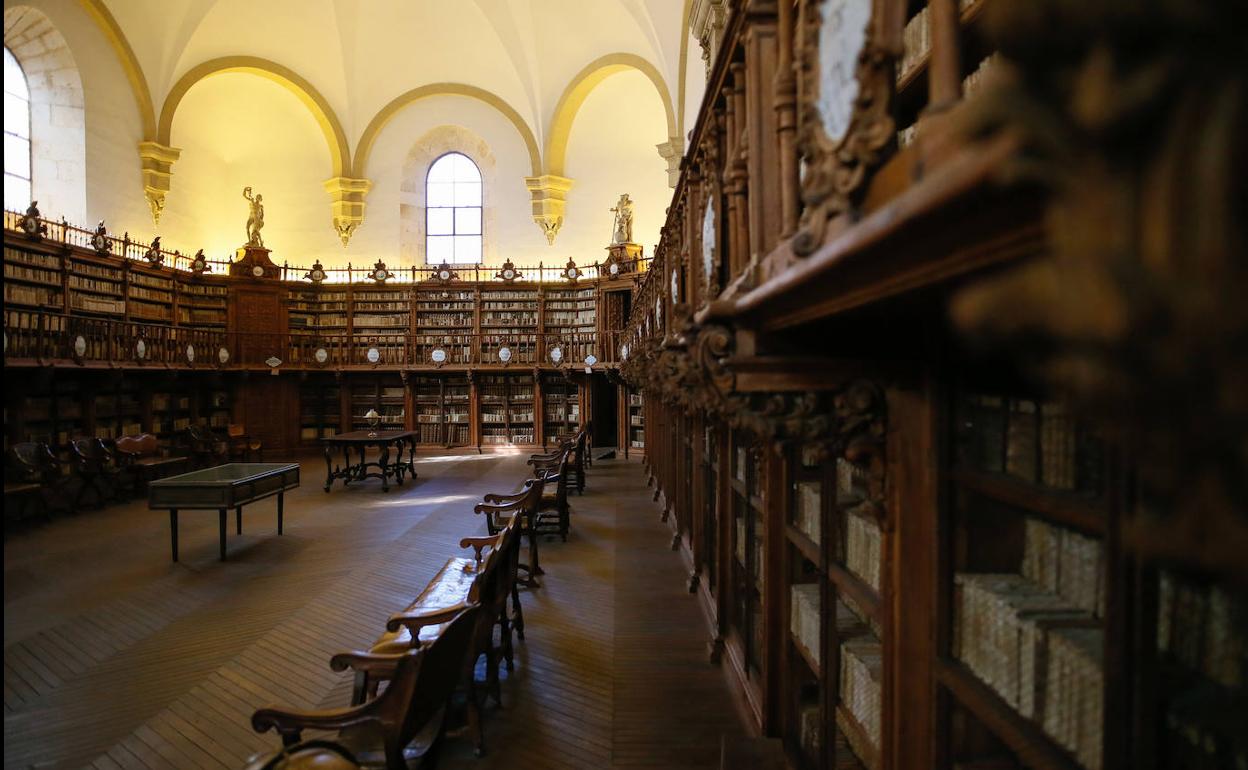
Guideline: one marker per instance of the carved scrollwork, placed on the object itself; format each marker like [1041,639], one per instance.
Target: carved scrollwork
[836,167]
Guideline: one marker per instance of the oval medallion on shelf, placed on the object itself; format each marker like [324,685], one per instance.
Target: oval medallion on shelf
[614,268]
[374,355]
[321,355]
[509,274]
[556,354]
[223,355]
[591,359]
[190,354]
[504,354]
[140,350]
[80,346]
[708,243]
[438,356]
[624,352]
[273,362]
[843,30]
[257,271]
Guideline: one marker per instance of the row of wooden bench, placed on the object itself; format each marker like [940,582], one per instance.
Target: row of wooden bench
[105,470]
[406,682]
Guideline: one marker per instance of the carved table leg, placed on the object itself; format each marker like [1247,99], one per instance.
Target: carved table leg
[281,498]
[238,519]
[385,466]
[329,466]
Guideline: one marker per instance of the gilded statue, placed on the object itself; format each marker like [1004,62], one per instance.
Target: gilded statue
[623,228]
[255,219]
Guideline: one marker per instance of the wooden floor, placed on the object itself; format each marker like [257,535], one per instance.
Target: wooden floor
[116,658]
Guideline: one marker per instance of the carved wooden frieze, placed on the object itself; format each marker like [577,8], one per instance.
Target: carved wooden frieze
[845,121]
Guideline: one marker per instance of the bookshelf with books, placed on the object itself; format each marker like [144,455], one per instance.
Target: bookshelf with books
[33,279]
[96,286]
[506,409]
[747,568]
[508,317]
[381,317]
[444,318]
[1027,583]
[429,402]
[149,296]
[320,408]
[384,393]
[317,310]
[561,406]
[202,304]
[570,311]
[635,422]
[457,400]
[172,408]
[117,410]
[54,415]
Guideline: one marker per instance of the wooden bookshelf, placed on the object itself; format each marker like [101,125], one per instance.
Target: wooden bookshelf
[384,393]
[561,407]
[320,409]
[96,286]
[507,410]
[569,312]
[444,319]
[508,319]
[33,279]
[150,296]
[202,304]
[457,400]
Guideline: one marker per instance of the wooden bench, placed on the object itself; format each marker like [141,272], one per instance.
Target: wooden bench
[414,704]
[143,456]
[486,579]
[500,510]
[553,514]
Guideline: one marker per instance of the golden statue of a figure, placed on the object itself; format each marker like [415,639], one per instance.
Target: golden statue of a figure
[255,219]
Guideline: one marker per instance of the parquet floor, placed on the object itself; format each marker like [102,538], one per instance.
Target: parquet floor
[116,658]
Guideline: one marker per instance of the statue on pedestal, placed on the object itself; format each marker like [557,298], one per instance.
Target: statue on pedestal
[623,228]
[255,219]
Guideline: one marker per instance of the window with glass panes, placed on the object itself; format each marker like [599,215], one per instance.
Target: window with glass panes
[16,135]
[453,211]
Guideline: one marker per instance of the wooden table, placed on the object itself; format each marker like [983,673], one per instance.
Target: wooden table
[358,470]
[223,487]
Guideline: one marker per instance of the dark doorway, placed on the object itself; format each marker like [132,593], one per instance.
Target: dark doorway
[604,397]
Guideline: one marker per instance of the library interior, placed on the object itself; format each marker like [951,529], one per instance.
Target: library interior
[739,384]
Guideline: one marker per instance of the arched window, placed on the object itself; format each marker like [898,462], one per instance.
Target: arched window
[453,211]
[16,135]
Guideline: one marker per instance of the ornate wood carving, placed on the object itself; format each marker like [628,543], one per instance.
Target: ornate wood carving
[1135,120]
[836,169]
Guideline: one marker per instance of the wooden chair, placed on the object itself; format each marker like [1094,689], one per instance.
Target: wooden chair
[98,472]
[553,512]
[308,755]
[145,459]
[243,447]
[408,718]
[205,447]
[32,462]
[499,510]
[407,630]
[577,444]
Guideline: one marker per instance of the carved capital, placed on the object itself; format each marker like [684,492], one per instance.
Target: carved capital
[549,197]
[157,162]
[346,198]
[672,151]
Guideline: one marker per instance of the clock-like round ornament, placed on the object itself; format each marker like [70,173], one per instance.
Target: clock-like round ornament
[257,271]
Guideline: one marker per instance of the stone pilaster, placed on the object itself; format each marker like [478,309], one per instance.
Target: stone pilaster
[672,151]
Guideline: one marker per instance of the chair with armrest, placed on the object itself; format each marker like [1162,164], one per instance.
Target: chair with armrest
[499,510]
[34,472]
[553,516]
[98,471]
[409,629]
[143,456]
[307,755]
[205,447]
[243,447]
[408,718]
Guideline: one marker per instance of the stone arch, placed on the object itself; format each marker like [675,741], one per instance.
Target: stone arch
[430,146]
[103,19]
[57,114]
[331,127]
[580,87]
[364,147]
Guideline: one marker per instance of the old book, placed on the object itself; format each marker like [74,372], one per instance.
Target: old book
[1021,440]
